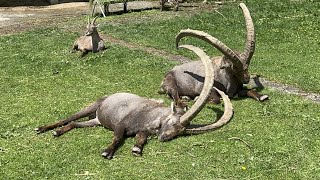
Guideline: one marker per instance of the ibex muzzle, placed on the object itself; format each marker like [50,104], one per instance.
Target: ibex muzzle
[131,115]
[230,71]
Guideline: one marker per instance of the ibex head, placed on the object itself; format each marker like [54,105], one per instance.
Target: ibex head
[239,62]
[91,27]
[171,126]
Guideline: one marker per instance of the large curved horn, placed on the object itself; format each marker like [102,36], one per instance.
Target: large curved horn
[94,20]
[226,117]
[250,40]
[206,90]
[213,41]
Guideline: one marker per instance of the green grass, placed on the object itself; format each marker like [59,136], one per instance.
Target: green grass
[41,82]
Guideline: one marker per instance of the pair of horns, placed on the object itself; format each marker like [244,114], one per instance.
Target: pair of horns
[237,60]
[93,21]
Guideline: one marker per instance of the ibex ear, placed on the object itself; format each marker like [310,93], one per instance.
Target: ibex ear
[173,108]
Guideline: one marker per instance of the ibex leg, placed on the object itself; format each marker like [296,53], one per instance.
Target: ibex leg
[84,52]
[141,138]
[74,48]
[117,140]
[91,123]
[169,86]
[86,112]
[214,97]
[253,94]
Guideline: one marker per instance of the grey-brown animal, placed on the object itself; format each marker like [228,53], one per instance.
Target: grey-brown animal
[91,41]
[230,70]
[131,115]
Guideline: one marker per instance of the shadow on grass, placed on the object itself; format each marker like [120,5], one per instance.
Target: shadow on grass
[219,115]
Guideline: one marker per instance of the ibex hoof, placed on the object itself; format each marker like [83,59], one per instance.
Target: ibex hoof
[37,129]
[136,151]
[56,133]
[107,154]
[263,98]
[40,130]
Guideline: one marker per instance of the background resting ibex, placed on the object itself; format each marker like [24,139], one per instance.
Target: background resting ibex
[128,115]
[91,41]
[230,70]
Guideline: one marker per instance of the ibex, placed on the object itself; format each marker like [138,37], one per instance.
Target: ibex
[128,115]
[230,70]
[91,41]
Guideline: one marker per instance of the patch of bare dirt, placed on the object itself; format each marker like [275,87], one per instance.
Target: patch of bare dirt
[23,18]
[290,90]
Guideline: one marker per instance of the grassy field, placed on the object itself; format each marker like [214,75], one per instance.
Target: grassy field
[41,82]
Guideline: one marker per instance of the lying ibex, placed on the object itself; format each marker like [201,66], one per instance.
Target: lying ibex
[91,41]
[230,70]
[128,115]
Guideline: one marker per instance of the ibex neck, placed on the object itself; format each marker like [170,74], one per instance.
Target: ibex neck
[95,39]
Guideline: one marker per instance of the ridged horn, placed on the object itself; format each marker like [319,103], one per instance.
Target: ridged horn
[88,20]
[229,53]
[226,117]
[250,40]
[206,90]
[94,20]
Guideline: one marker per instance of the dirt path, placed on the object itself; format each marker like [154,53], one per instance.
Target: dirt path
[19,19]
[22,18]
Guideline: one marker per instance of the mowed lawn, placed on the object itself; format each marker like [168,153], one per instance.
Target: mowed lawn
[42,82]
